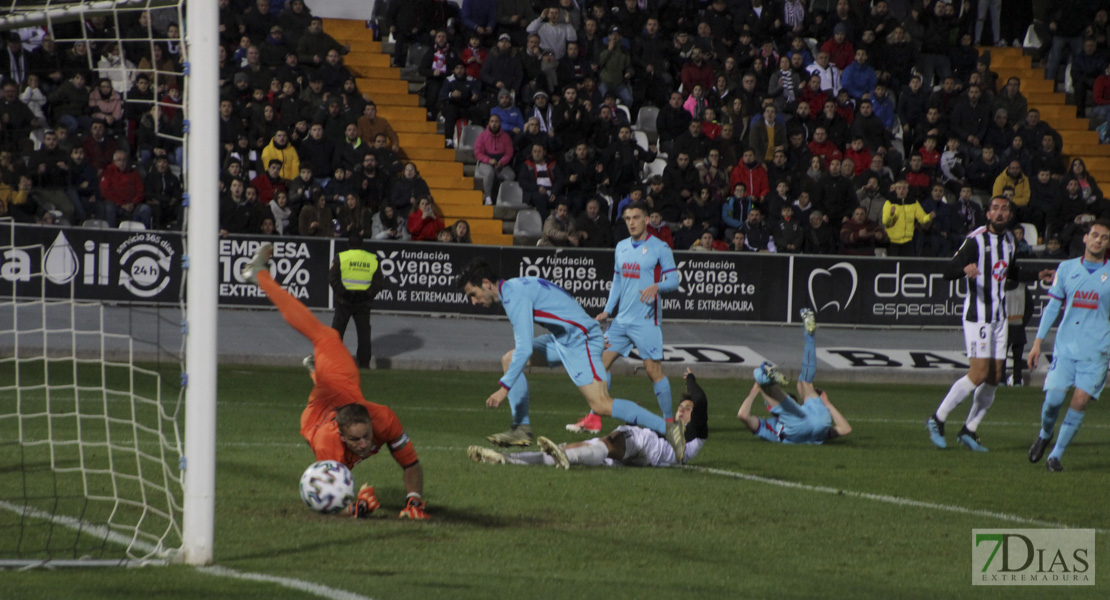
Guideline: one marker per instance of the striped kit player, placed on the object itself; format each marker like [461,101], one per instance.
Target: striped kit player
[987,259]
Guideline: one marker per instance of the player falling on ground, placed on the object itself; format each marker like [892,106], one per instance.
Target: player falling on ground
[626,445]
[644,267]
[338,422]
[575,341]
[1082,347]
[987,259]
[814,421]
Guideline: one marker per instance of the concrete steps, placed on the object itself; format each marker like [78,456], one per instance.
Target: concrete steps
[448,179]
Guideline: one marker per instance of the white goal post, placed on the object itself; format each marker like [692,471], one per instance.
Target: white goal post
[199,258]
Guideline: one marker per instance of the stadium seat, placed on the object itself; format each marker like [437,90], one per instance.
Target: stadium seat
[627,113]
[528,224]
[510,195]
[415,55]
[464,148]
[1031,236]
[95,224]
[645,120]
[641,139]
[655,167]
[132,226]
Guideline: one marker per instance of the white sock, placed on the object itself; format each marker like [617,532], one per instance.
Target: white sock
[529,458]
[592,454]
[980,402]
[957,394]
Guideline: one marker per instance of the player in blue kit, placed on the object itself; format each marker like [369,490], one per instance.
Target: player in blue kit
[644,267]
[814,421]
[575,341]
[1082,286]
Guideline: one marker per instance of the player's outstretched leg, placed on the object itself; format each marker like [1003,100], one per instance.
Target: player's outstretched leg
[553,450]
[981,402]
[292,310]
[518,435]
[591,423]
[809,350]
[766,375]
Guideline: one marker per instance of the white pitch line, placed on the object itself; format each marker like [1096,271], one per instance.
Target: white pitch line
[883,498]
[304,586]
[100,531]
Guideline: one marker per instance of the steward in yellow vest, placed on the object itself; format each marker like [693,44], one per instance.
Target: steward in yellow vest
[355,279]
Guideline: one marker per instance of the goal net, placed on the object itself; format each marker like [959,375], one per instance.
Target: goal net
[97,389]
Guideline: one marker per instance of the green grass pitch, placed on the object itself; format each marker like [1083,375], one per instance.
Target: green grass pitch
[880,514]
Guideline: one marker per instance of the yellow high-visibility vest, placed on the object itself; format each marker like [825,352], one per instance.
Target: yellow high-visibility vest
[357,268]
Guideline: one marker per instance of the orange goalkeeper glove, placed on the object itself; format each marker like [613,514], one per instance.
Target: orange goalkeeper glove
[365,503]
[414,509]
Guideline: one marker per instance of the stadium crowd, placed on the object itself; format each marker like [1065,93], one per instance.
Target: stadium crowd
[824,126]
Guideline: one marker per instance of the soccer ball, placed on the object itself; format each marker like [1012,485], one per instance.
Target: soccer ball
[327,486]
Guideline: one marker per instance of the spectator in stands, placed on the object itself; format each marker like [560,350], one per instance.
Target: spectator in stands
[621,164]
[438,63]
[752,174]
[757,236]
[559,228]
[1101,111]
[479,18]
[1088,187]
[388,225]
[937,24]
[859,77]
[789,234]
[279,148]
[350,150]
[408,189]
[859,236]
[502,70]
[964,217]
[68,102]
[458,100]
[370,125]
[315,219]
[673,121]
[658,228]
[706,243]
[681,179]
[1044,191]
[387,158]
[353,216]
[839,49]
[1033,130]
[582,177]
[119,70]
[1067,20]
[688,232]
[822,147]
[99,148]
[319,153]
[494,151]
[300,187]
[554,30]
[900,214]
[593,227]
[425,222]
[828,72]
[932,239]
[615,68]
[371,183]
[1013,101]
[338,188]
[999,134]
[269,182]
[512,120]
[314,45]
[767,135]
[163,189]
[970,118]
[1015,178]
[542,181]
[83,187]
[1085,69]
[1048,155]
[123,190]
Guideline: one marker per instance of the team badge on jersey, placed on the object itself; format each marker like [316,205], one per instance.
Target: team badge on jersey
[998,272]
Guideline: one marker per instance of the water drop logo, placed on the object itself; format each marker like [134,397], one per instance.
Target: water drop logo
[59,264]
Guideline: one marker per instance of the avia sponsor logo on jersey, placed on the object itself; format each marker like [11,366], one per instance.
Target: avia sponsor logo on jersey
[1029,557]
[630,270]
[288,265]
[418,268]
[575,274]
[716,284]
[1083,299]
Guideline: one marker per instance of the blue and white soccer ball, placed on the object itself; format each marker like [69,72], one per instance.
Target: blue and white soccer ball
[327,486]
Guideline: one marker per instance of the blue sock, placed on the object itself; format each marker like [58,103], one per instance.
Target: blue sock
[1072,421]
[518,401]
[1050,411]
[663,395]
[634,414]
[809,359]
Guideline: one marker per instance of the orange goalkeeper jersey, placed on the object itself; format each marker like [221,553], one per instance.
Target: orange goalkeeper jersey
[337,384]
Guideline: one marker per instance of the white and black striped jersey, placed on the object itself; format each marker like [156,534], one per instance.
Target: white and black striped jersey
[994,255]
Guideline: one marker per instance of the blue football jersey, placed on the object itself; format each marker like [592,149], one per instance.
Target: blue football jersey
[1084,332]
[640,265]
[529,300]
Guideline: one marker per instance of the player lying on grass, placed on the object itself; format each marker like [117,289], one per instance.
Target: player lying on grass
[338,422]
[1082,286]
[814,421]
[625,446]
[575,341]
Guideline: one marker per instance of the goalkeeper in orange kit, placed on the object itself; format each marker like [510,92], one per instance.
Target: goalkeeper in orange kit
[338,422]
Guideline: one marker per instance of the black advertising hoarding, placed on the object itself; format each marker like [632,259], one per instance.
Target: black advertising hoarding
[145,266]
[96,264]
[300,265]
[882,292]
